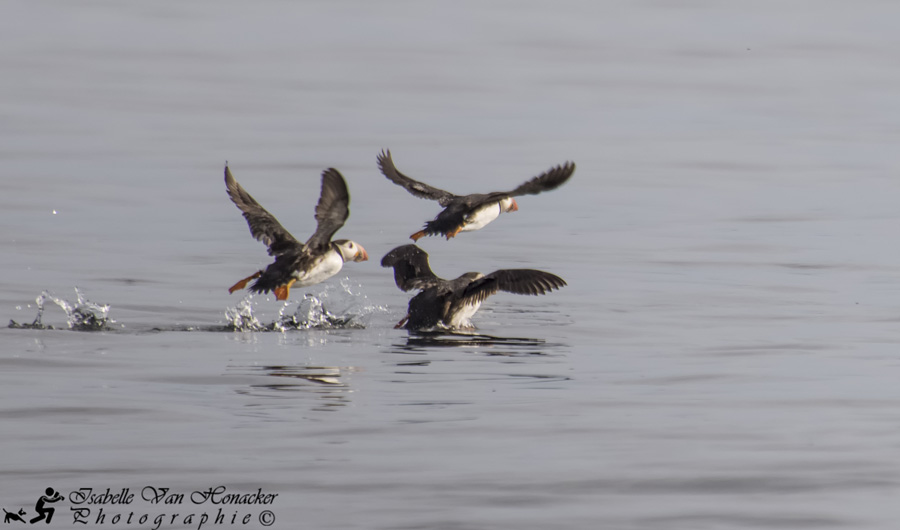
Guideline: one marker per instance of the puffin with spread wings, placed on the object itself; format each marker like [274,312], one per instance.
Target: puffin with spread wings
[452,303]
[464,213]
[300,264]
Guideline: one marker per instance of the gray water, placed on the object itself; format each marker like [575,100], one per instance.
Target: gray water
[724,356]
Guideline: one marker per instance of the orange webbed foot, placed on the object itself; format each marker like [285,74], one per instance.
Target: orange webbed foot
[452,233]
[243,283]
[418,235]
[282,292]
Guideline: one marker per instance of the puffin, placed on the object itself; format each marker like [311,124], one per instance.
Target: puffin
[451,304]
[300,264]
[465,213]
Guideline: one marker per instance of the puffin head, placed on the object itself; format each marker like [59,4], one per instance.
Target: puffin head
[350,250]
[508,205]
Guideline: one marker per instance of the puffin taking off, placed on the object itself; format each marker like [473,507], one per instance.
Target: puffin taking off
[451,303]
[464,213]
[297,263]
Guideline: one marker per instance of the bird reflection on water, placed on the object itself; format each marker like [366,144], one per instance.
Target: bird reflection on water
[328,383]
[420,341]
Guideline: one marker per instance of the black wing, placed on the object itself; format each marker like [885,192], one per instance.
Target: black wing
[419,189]
[411,270]
[546,181]
[332,210]
[263,225]
[517,281]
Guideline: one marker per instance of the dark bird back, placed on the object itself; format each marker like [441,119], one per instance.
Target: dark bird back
[450,303]
[463,213]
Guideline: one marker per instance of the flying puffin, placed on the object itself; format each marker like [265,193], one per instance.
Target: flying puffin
[451,303]
[297,263]
[464,213]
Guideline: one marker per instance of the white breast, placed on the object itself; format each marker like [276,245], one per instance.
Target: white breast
[481,217]
[461,319]
[329,265]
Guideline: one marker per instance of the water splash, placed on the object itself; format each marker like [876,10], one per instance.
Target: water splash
[82,315]
[347,308]
[359,308]
[312,314]
[241,318]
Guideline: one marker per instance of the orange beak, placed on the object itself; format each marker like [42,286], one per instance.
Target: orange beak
[362,255]
[514,207]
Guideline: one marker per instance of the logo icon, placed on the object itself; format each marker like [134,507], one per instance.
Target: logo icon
[10,517]
[45,513]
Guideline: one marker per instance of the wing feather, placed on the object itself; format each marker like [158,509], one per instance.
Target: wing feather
[411,269]
[332,210]
[546,181]
[516,281]
[263,225]
[419,189]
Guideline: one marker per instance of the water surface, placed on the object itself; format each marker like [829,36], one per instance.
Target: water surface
[723,357]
